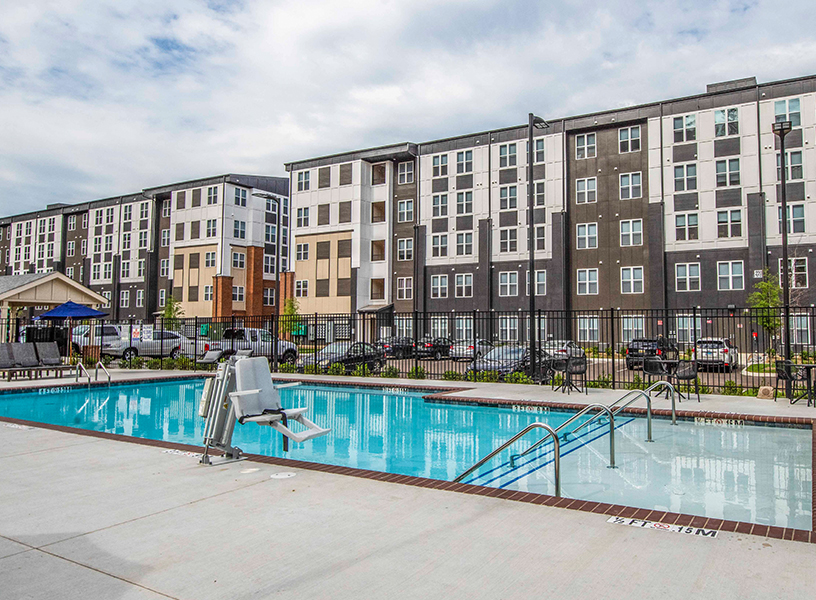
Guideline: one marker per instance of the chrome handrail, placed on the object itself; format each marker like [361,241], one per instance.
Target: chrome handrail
[617,408]
[556,462]
[585,410]
[96,372]
[81,367]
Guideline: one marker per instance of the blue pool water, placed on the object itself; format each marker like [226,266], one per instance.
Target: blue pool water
[743,473]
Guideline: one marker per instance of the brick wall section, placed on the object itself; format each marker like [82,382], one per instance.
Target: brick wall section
[222,296]
[254,281]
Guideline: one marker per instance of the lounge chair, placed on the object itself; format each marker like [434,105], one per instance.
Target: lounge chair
[211,357]
[25,358]
[50,359]
[245,353]
[7,361]
[256,400]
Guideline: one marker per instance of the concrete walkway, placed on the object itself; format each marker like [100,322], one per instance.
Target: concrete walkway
[83,517]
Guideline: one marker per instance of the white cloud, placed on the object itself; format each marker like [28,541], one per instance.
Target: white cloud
[105,98]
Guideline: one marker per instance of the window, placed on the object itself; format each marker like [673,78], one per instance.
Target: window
[797,272]
[687,277]
[541,283]
[793,165]
[405,249]
[144,210]
[587,282]
[508,198]
[631,233]
[139,298]
[302,252]
[440,165]
[508,240]
[270,233]
[587,329]
[83,247]
[464,244]
[71,223]
[238,260]
[800,329]
[464,285]
[788,110]
[109,215]
[729,275]
[50,252]
[240,197]
[107,296]
[688,328]
[126,241]
[165,238]
[143,239]
[269,264]
[404,326]
[85,221]
[538,149]
[439,245]
[210,231]
[70,248]
[127,212]
[464,161]
[508,329]
[239,229]
[585,146]
[107,270]
[95,269]
[140,268]
[42,226]
[166,209]
[685,178]
[630,186]
[208,293]
[162,297]
[631,328]
[377,250]
[405,173]
[463,328]
[508,283]
[587,236]
[212,195]
[69,272]
[585,190]
[439,286]
[726,122]
[125,269]
[209,259]
[237,293]
[108,243]
[464,203]
[440,205]
[685,129]
[268,295]
[377,289]
[541,237]
[405,211]
[507,155]
[539,193]
[439,326]
[164,268]
[796,218]
[303,217]
[728,172]
[629,139]
[124,299]
[729,223]
[405,288]
[377,213]
[686,226]
[97,221]
[303,181]
[631,280]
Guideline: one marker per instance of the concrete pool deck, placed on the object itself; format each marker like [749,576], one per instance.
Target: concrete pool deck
[83,517]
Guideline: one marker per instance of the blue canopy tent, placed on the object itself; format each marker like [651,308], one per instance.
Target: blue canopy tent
[72,310]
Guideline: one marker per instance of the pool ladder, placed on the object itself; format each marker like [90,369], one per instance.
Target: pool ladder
[610,410]
[81,370]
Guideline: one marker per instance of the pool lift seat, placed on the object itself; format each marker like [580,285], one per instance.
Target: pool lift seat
[243,391]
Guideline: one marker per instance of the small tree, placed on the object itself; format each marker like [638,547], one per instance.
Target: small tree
[766,299]
[290,321]
[172,313]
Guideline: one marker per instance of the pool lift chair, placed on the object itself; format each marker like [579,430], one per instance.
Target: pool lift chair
[242,390]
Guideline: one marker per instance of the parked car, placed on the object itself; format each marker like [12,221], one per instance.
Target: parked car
[260,341]
[348,354]
[397,347]
[470,350]
[504,360]
[562,348]
[433,347]
[94,335]
[639,349]
[162,344]
[717,352]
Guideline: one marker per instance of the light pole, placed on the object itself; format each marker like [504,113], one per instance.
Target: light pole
[533,122]
[783,128]
[277,201]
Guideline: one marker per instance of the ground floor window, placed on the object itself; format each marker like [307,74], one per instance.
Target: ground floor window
[587,329]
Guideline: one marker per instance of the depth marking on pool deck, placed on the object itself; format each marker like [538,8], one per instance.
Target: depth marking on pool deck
[699,531]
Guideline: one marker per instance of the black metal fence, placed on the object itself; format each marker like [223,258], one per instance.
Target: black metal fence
[407,348]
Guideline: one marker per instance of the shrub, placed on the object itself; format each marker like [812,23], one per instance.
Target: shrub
[518,377]
[390,372]
[361,370]
[416,373]
[730,388]
[137,362]
[336,369]
[603,382]
[107,359]
[185,363]
[287,368]
[452,376]
[312,369]
[483,376]
[153,363]
[608,352]
[637,383]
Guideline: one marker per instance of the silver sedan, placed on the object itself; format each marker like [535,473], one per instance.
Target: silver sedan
[469,350]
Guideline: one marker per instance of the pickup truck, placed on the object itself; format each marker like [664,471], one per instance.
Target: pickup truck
[260,341]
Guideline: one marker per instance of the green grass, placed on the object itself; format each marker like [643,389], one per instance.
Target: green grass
[762,368]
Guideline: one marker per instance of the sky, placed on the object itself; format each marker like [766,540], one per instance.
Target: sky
[105,98]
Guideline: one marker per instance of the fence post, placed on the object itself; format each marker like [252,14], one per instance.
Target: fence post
[275,338]
[195,345]
[130,342]
[612,323]
[416,349]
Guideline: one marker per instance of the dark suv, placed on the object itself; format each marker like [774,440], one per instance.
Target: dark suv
[640,349]
[431,347]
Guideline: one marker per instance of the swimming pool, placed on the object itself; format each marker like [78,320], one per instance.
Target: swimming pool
[741,473]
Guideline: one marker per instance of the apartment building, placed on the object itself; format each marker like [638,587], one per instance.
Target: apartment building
[668,204]
[210,243]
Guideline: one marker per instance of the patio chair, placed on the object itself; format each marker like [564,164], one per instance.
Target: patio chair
[576,369]
[687,371]
[256,400]
[211,357]
[654,367]
[25,358]
[787,371]
[246,352]
[50,359]
[558,365]
[7,365]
